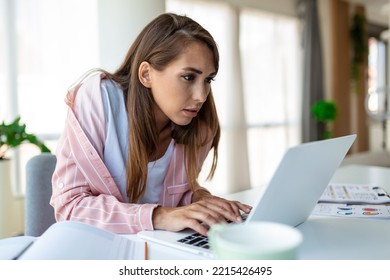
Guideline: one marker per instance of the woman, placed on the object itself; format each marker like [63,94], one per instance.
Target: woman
[135,140]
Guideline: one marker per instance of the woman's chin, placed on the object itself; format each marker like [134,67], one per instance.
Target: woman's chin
[182,122]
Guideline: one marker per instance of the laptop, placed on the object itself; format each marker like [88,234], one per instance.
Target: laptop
[289,198]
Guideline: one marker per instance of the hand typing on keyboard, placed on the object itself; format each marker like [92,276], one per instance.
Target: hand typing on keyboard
[205,211]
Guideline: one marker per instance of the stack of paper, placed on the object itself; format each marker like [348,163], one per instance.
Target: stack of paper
[352,200]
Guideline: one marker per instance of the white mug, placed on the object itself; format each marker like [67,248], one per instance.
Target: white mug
[254,240]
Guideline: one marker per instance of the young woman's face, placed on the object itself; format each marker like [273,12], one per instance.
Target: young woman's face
[182,87]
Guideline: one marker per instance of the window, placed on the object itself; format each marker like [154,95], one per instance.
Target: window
[377,90]
[53,44]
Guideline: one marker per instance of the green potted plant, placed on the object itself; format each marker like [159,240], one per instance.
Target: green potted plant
[359,42]
[325,113]
[14,134]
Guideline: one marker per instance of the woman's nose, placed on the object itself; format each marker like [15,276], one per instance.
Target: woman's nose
[201,92]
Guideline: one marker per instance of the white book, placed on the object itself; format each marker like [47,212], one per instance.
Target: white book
[70,240]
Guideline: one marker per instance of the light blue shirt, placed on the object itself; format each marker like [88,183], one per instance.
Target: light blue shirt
[116,146]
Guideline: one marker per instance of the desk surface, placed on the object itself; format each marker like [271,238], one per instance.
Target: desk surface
[326,237]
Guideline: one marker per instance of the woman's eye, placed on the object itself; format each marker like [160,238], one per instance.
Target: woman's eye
[209,80]
[188,77]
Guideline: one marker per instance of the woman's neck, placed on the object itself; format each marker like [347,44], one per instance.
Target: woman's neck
[164,138]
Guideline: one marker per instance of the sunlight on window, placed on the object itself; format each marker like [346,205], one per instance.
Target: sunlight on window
[56,42]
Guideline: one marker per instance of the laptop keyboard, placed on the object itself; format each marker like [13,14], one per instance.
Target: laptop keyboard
[196,239]
[199,240]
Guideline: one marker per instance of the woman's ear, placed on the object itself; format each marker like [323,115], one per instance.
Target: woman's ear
[144,74]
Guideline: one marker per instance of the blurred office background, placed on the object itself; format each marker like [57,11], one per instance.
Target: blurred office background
[278,57]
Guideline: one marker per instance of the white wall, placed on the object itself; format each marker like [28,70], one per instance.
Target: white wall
[120,21]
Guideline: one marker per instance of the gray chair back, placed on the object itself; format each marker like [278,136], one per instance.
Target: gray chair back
[39,214]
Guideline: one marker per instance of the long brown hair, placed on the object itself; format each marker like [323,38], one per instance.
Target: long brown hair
[159,43]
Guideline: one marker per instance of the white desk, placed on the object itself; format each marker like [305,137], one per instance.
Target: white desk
[326,237]
[343,238]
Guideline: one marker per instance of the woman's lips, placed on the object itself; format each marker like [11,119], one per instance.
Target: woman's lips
[191,112]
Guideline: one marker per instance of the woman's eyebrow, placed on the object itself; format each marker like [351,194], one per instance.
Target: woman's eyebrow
[197,71]
[193,70]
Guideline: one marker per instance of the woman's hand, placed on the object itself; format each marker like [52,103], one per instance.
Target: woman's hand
[200,215]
